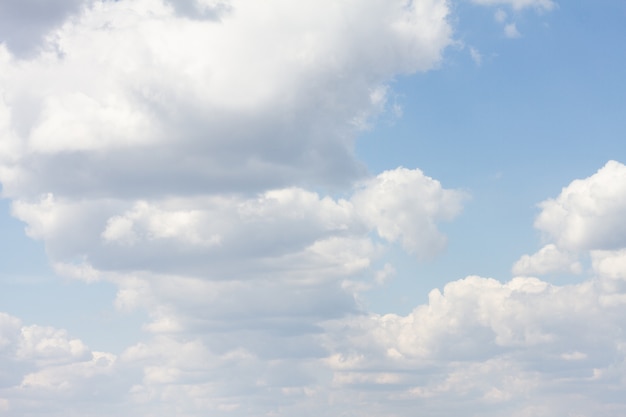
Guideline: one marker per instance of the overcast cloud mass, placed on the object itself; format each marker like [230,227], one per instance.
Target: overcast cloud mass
[200,157]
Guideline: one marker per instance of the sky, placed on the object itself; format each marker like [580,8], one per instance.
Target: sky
[340,208]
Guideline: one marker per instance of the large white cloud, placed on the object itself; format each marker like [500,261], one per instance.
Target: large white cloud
[171,149]
[523,347]
[131,98]
[274,229]
[497,348]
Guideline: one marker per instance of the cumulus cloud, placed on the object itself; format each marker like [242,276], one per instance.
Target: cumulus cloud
[588,213]
[404,205]
[488,344]
[276,227]
[304,344]
[548,259]
[610,264]
[585,217]
[44,370]
[132,98]
[176,150]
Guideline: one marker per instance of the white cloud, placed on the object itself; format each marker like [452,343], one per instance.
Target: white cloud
[404,205]
[286,227]
[518,348]
[48,345]
[172,149]
[585,218]
[481,342]
[124,101]
[548,259]
[611,264]
[524,347]
[588,214]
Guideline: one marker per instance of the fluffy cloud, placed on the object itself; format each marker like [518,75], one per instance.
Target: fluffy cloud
[303,344]
[610,264]
[44,370]
[130,98]
[274,229]
[405,205]
[586,216]
[491,346]
[548,259]
[172,148]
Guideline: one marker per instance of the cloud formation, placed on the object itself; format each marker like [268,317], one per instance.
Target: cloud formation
[586,216]
[198,155]
[131,98]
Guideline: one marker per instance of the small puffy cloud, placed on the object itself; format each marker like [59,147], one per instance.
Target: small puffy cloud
[547,260]
[204,233]
[404,205]
[588,214]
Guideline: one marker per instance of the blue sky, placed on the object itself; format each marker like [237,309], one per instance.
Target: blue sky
[314,208]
